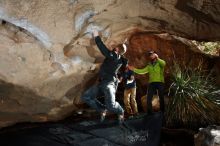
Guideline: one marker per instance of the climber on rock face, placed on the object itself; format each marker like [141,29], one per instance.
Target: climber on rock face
[108,81]
[156,79]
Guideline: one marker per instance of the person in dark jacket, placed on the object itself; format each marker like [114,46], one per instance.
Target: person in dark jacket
[130,93]
[108,81]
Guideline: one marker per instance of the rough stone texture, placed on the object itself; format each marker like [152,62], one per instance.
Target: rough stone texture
[170,48]
[209,136]
[48,58]
[155,103]
[144,130]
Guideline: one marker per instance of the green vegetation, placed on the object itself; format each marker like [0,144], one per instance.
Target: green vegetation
[208,47]
[193,98]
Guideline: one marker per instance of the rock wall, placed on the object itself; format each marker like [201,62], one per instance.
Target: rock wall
[170,48]
[47,56]
[209,136]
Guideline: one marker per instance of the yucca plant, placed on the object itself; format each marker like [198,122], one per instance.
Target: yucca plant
[193,98]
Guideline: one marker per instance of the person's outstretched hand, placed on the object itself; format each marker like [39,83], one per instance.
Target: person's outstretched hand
[156,56]
[131,67]
[95,33]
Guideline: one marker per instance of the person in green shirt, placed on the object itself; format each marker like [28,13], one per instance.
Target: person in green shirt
[155,69]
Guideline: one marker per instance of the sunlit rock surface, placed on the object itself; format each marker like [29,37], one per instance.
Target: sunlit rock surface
[48,59]
[170,48]
[209,136]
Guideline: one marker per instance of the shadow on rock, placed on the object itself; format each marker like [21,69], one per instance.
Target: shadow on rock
[144,130]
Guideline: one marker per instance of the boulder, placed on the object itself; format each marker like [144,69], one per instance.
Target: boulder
[48,57]
[143,130]
[155,103]
[209,136]
[170,48]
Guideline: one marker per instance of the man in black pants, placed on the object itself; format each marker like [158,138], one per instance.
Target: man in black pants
[155,69]
[108,83]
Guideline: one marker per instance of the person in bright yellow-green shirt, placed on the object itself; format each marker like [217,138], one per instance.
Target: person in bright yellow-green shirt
[155,69]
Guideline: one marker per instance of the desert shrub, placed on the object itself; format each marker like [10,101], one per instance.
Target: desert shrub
[194,98]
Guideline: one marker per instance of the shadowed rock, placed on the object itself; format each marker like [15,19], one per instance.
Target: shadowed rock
[144,130]
[46,46]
